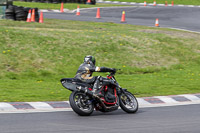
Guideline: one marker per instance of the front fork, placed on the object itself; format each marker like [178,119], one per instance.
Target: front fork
[124,92]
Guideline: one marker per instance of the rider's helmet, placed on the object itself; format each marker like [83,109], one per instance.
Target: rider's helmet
[89,59]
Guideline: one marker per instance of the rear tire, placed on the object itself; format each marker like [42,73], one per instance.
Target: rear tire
[81,104]
[129,106]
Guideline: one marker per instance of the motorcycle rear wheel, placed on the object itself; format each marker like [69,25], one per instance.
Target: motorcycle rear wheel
[129,105]
[81,104]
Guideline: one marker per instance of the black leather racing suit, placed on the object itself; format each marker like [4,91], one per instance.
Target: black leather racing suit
[85,71]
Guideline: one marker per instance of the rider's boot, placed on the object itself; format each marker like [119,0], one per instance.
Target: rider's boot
[96,88]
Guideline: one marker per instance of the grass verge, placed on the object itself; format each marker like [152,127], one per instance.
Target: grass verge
[70,6]
[154,61]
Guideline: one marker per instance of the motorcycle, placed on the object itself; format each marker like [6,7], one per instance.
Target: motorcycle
[83,100]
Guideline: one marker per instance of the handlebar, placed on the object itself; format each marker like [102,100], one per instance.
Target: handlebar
[113,73]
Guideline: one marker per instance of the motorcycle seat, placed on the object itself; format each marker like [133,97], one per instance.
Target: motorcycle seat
[77,82]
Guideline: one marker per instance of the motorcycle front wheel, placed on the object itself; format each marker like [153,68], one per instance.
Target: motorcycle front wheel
[81,103]
[128,102]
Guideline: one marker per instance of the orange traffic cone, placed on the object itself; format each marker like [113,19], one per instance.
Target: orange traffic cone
[157,23]
[172,3]
[61,8]
[41,18]
[29,16]
[78,11]
[154,3]
[88,2]
[33,16]
[145,3]
[166,3]
[98,13]
[123,17]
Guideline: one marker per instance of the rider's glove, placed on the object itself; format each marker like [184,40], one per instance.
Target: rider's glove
[113,70]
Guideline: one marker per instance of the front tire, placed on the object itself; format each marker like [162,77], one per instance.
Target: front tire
[81,103]
[129,105]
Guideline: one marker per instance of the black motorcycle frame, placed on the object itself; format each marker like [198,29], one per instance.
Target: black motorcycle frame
[100,103]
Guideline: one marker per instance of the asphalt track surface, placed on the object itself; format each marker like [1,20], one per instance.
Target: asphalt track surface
[178,119]
[187,18]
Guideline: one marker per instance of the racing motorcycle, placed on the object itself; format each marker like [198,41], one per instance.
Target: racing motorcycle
[83,100]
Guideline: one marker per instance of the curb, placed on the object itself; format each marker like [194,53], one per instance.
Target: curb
[156,101]
[58,11]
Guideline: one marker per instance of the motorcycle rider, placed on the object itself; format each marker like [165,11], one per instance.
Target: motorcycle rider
[86,69]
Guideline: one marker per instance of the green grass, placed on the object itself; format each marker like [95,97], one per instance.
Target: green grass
[154,61]
[70,6]
[184,2]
